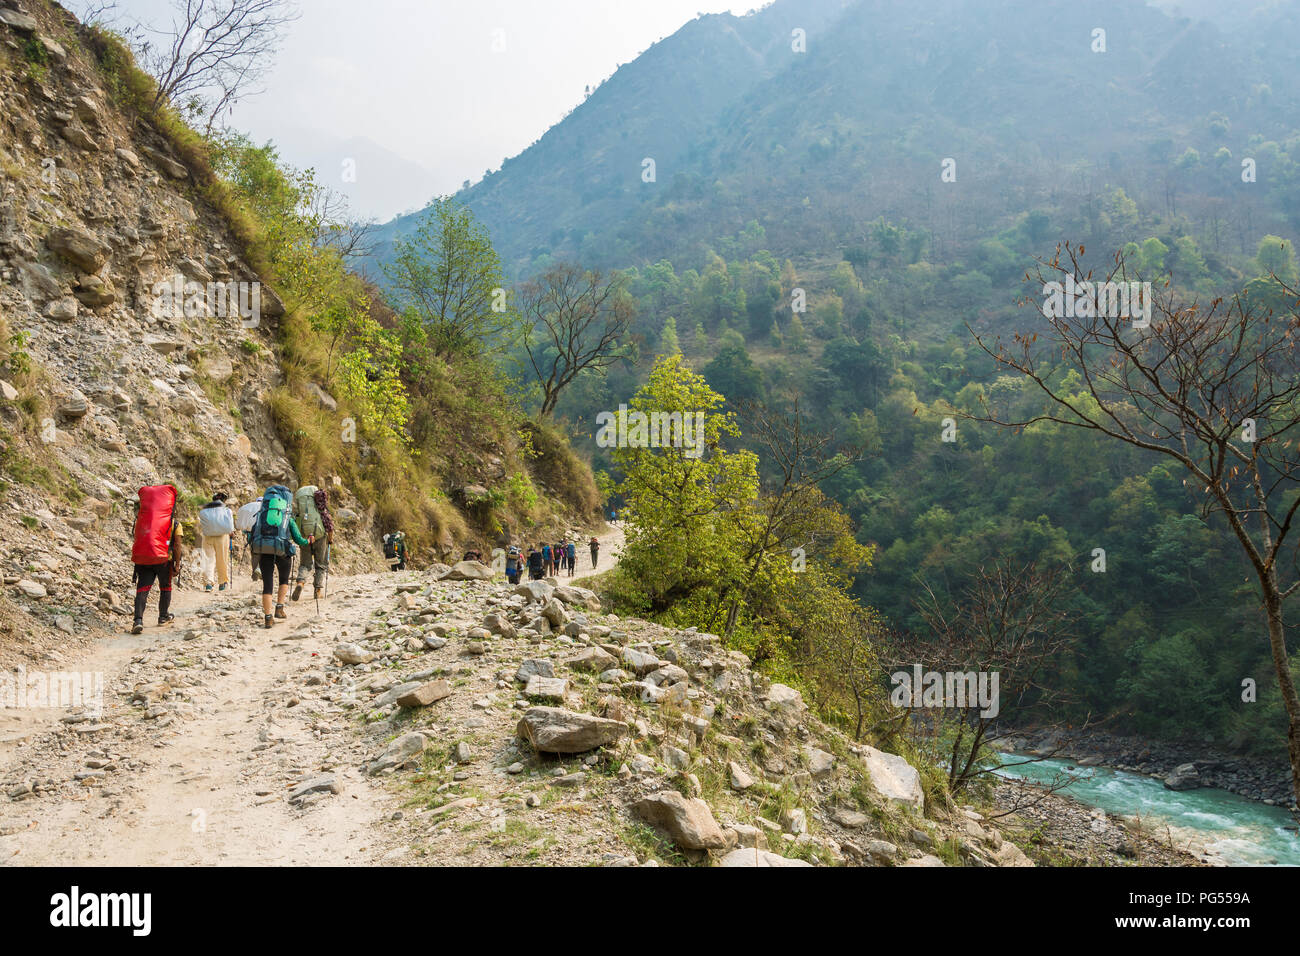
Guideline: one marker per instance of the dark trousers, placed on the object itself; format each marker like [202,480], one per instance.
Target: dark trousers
[594,552]
[271,565]
[145,576]
[315,556]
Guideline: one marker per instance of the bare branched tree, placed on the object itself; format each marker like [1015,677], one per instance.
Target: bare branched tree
[337,228]
[215,52]
[575,320]
[1011,621]
[1214,387]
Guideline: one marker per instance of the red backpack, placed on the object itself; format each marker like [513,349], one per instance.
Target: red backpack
[154,524]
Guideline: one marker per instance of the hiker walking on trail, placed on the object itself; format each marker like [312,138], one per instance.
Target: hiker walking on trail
[547,559]
[536,565]
[311,512]
[512,565]
[571,557]
[244,521]
[155,551]
[395,551]
[595,552]
[216,525]
[273,538]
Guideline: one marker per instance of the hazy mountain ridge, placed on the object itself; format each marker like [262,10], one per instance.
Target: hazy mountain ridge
[742,128]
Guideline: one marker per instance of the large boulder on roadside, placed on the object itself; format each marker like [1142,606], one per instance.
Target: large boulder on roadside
[753,856]
[425,694]
[894,778]
[559,731]
[688,822]
[538,591]
[468,571]
[554,613]
[581,597]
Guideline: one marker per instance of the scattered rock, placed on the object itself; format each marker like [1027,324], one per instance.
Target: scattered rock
[398,752]
[592,659]
[820,763]
[79,247]
[549,687]
[894,778]
[425,694]
[688,822]
[326,783]
[32,589]
[1183,777]
[151,693]
[555,730]
[468,571]
[784,699]
[744,856]
[794,821]
[353,654]
[534,667]
[739,777]
[850,819]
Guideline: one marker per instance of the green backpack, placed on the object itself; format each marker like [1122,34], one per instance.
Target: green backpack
[304,507]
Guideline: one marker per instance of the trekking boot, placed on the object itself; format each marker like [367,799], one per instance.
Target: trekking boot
[297,590]
[137,627]
[279,612]
[320,593]
[165,619]
[222,587]
[207,587]
[270,622]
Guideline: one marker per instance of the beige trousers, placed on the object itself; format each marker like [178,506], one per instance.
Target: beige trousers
[215,559]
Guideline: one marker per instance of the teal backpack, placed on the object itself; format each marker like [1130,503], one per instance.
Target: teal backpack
[270,534]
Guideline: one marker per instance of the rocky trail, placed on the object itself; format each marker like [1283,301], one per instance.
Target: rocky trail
[211,727]
[444,717]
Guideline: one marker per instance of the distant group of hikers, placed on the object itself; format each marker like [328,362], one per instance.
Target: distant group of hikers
[274,526]
[544,560]
[395,550]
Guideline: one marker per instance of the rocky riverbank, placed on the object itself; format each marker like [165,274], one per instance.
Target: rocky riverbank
[1180,764]
[1056,830]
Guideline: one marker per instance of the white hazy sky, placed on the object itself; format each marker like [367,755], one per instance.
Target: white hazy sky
[420,79]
